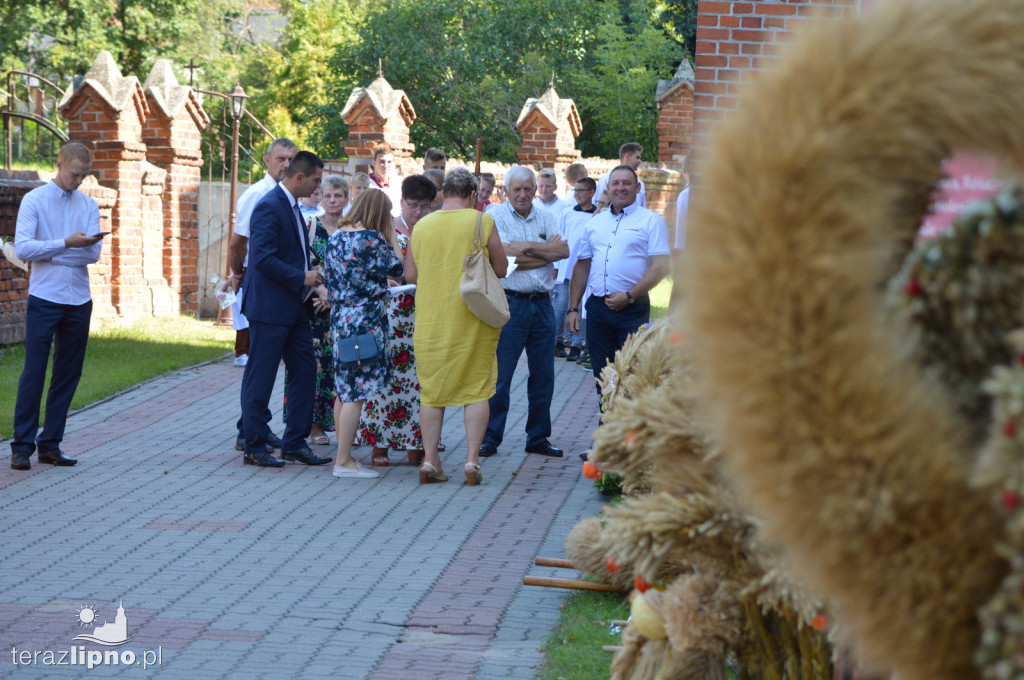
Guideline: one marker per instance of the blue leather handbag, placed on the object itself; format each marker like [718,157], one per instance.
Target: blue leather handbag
[358,351]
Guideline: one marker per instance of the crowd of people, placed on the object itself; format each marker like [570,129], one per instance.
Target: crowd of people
[354,285]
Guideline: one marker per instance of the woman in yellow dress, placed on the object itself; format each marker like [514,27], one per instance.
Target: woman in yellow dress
[456,360]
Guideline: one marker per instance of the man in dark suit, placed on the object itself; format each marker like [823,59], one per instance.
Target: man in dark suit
[276,301]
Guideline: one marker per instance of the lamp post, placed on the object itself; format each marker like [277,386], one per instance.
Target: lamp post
[237,99]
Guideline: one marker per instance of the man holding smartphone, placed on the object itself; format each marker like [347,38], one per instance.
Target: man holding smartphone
[58,231]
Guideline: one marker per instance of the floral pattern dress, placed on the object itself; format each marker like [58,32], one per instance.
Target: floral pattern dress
[356,267]
[391,419]
[320,325]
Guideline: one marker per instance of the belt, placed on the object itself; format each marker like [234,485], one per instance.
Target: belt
[527,296]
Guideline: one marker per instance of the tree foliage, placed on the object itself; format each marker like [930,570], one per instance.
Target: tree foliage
[468,67]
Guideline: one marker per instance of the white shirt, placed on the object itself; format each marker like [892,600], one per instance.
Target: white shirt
[537,226]
[247,203]
[682,206]
[300,223]
[555,207]
[620,247]
[47,216]
[602,186]
[571,226]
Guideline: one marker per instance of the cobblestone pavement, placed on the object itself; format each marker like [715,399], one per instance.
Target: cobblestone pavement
[231,571]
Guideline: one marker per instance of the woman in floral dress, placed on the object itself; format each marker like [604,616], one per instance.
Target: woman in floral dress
[359,259]
[391,419]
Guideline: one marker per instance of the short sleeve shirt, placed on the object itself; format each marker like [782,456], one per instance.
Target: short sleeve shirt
[620,247]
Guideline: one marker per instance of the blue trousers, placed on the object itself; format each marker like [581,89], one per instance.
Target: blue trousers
[66,328]
[268,345]
[531,328]
[560,301]
[607,330]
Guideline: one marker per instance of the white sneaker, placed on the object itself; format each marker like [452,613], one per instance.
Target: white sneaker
[241,360]
[360,472]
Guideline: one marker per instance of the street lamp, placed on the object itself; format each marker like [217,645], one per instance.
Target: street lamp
[237,99]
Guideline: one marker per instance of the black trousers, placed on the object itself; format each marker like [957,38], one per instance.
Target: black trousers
[66,329]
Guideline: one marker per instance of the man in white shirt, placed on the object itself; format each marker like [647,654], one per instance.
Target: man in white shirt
[682,207]
[572,173]
[277,159]
[547,182]
[531,236]
[623,255]
[630,154]
[571,226]
[58,231]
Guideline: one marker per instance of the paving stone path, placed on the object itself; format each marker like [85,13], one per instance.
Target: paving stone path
[231,571]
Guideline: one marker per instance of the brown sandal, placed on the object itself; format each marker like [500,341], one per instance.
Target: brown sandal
[431,475]
[379,457]
[416,456]
[472,472]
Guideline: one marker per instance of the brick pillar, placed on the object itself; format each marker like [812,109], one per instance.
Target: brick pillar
[549,126]
[13,281]
[736,39]
[101,274]
[662,185]
[172,135]
[107,110]
[675,114]
[375,115]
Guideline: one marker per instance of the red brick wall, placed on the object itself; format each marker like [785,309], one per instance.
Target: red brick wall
[675,125]
[735,39]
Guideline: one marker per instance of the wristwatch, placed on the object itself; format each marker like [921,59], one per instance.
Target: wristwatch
[573,309]
[629,296]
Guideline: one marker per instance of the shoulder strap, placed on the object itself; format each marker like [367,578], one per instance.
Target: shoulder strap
[478,241]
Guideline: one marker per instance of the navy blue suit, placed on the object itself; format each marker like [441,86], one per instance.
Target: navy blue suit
[278,323]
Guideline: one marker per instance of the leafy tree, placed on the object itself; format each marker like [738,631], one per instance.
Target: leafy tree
[60,38]
[468,67]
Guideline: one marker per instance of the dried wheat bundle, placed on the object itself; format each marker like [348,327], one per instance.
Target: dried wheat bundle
[853,456]
[584,549]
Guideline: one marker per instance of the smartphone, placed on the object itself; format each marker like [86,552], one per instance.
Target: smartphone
[103,233]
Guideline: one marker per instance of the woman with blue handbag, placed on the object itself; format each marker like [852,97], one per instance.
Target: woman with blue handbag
[359,258]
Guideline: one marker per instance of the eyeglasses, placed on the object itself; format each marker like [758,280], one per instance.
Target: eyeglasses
[417,207]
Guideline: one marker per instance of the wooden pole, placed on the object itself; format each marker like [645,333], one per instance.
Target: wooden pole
[553,562]
[479,153]
[571,584]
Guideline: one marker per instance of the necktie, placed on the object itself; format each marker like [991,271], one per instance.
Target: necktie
[302,237]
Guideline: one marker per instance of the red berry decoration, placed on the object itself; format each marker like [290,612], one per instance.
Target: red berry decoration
[819,622]
[600,475]
[590,471]
[611,565]
[1011,499]
[913,288]
[641,584]
[1010,429]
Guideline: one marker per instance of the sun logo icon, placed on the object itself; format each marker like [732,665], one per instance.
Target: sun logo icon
[86,615]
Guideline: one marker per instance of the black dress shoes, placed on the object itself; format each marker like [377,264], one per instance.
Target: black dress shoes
[20,461]
[488,450]
[304,456]
[56,458]
[545,449]
[262,459]
[273,440]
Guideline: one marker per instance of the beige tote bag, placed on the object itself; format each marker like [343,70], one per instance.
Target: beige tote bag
[479,287]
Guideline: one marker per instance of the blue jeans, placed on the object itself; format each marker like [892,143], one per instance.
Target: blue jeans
[531,328]
[66,327]
[560,301]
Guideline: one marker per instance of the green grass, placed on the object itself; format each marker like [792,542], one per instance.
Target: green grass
[660,296]
[575,649]
[122,355]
